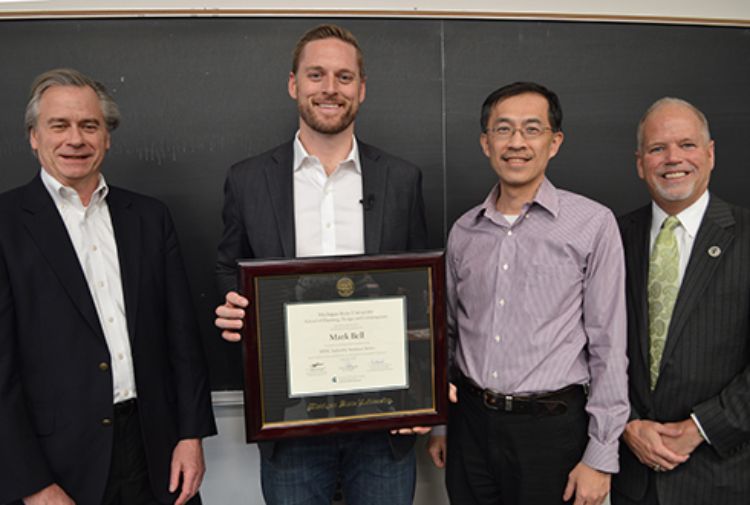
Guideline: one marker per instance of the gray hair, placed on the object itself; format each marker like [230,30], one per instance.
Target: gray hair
[69,77]
[668,100]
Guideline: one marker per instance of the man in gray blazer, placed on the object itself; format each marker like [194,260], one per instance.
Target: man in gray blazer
[324,193]
[688,296]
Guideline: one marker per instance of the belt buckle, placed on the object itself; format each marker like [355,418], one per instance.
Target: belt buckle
[497,401]
[490,400]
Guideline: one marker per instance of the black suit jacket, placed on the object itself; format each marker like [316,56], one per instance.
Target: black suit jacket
[259,216]
[55,390]
[705,368]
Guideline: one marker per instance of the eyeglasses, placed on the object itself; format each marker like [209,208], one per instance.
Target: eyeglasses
[530,131]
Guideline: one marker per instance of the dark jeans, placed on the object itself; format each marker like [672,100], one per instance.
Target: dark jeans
[499,458]
[305,471]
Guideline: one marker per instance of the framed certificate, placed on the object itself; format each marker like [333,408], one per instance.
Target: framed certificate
[344,344]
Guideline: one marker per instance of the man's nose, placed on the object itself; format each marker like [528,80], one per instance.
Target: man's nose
[673,154]
[516,138]
[330,84]
[75,137]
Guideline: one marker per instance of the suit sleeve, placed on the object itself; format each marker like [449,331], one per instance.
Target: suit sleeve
[23,467]
[195,414]
[234,243]
[726,417]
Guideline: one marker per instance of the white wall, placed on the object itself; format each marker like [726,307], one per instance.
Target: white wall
[735,12]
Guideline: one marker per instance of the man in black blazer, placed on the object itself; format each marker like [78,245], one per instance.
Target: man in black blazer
[325,193]
[103,382]
[688,437]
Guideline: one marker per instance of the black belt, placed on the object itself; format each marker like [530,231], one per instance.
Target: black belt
[553,403]
[125,408]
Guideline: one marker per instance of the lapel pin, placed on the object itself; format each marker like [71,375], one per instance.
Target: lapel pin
[714,251]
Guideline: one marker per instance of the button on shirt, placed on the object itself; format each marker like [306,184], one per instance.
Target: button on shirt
[539,304]
[90,231]
[328,211]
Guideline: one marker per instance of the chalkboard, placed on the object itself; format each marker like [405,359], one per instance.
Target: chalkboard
[198,94]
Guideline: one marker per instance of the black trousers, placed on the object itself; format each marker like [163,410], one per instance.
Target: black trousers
[128,482]
[500,458]
[651,497]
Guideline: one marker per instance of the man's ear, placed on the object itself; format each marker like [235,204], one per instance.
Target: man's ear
[292,85]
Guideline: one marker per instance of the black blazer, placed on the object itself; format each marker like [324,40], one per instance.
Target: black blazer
[55,390]
[259,216]
[706,363]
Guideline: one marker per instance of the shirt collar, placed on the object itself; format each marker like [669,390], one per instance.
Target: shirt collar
[61,193]
[301,156]
[690,218]
[546,197]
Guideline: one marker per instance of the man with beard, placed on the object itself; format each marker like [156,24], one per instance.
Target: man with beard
[324,193]
[536,314]
[687,253]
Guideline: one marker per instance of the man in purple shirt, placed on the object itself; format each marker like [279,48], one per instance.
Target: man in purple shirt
[536,321]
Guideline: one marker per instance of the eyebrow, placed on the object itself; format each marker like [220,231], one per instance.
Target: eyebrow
[524,121]
[66,120]
[694,140]
[320,68]
[58,121]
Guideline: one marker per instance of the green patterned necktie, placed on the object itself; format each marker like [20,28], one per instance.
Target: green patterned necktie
[663,285]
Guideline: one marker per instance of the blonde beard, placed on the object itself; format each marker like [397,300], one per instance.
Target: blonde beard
[311,120]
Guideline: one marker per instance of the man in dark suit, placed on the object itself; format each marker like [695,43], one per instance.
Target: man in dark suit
[325,193]
[688,294]
[103,382]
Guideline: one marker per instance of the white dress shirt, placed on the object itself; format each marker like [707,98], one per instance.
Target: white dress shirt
[690,220]
[328,209]
[90,231]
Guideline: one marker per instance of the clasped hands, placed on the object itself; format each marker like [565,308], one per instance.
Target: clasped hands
[662,446]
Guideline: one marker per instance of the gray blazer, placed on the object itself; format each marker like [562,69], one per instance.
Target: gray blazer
[706,363]
[259,216]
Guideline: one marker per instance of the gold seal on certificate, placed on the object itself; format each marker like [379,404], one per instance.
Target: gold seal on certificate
[344,344]
[345,287]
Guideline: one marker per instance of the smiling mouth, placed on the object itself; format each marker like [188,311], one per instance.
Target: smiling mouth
[328,105]
[674,175]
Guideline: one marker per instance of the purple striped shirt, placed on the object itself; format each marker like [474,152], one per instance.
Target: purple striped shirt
[540,304]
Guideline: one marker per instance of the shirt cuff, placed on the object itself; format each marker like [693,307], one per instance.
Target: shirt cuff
[602,457]
[439,431]
[700,428]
